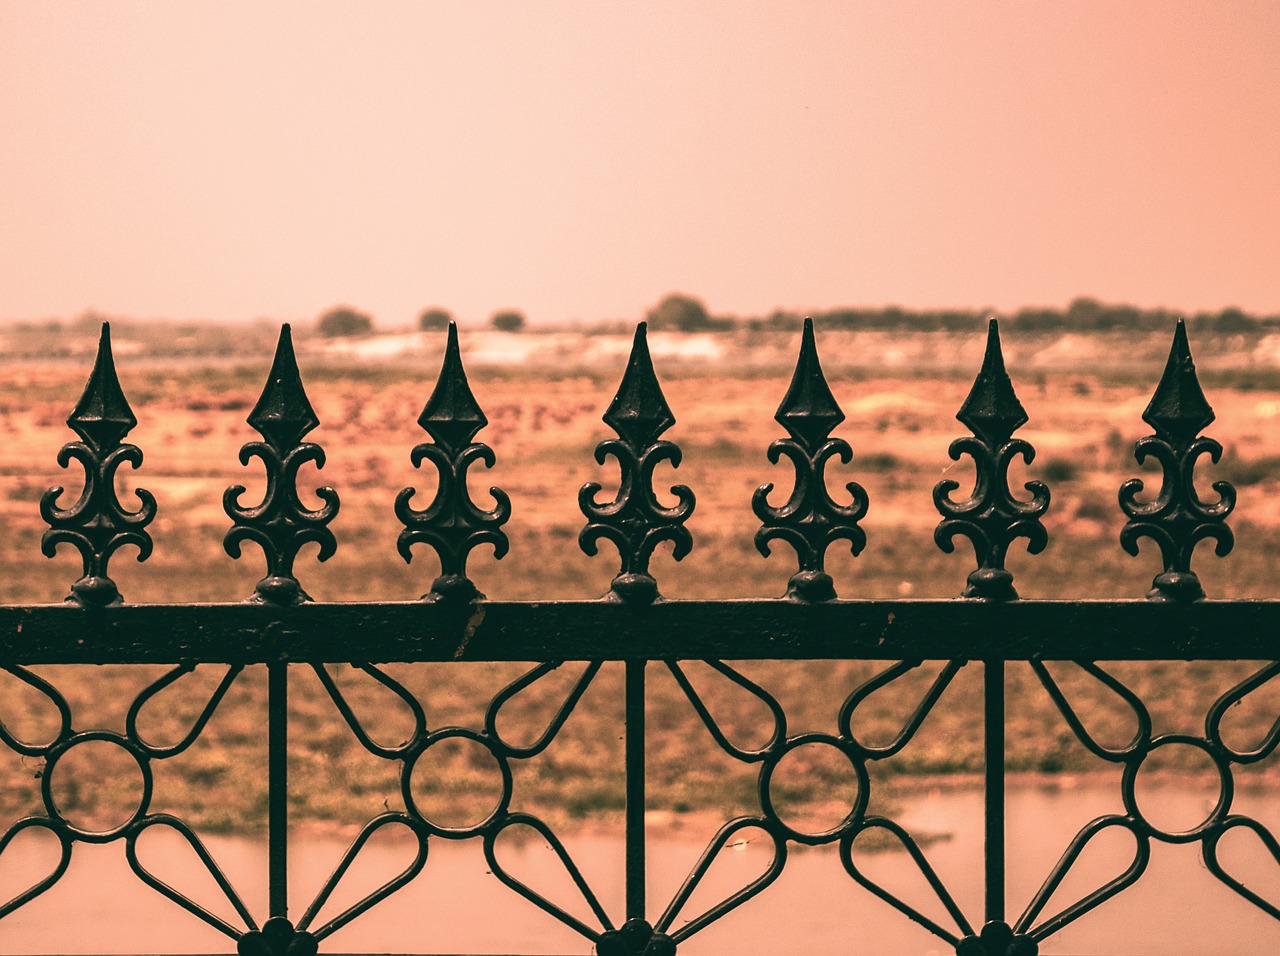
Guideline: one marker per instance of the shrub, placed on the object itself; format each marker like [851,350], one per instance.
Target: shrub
[344,320]
[681,313]
[434,319]
[508,320]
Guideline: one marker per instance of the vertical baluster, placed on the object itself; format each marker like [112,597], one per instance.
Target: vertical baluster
[636,800]
[278,788]
[993,797]
[280,525]
[992,518]
[636,523]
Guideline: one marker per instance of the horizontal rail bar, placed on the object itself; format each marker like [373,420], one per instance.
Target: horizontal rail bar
[667,630]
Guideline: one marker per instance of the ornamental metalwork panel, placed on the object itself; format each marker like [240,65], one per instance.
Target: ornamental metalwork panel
[635,632]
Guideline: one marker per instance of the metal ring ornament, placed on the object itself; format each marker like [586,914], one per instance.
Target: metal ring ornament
[51,806]
[1221,762]
[493,820]
[856,813]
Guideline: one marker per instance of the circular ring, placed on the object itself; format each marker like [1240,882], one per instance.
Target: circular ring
[859,803]
[448,832]
[51,806]
[1226,788]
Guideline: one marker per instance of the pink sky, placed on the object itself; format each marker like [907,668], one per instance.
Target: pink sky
[230,160]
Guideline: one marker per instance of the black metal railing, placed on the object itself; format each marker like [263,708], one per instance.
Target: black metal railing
[280,628]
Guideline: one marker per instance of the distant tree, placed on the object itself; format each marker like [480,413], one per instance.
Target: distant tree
[1084,313]
[507,320]
[434,319]
[680,313]
[344,320]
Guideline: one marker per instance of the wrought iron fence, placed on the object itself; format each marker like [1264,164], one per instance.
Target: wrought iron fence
[279,627]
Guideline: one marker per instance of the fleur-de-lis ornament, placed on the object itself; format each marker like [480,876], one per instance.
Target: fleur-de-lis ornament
[98,524]
[991,518]
[1176,519]
[810,521]
[634,520]
[452,524]
[281,524]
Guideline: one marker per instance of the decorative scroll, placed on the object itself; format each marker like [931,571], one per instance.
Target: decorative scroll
[810,521]
[281,524]
[991,517]
[634,520]
[1176,519]
[61,799]
[452,524]
[778,831]
[97,525]
[501,818]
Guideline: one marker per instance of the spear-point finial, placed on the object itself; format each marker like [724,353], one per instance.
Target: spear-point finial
[634,521]
[452,524]
[1177,519]
[103,417]
[1178,410]
[991,517]
[281,524]
[639,411]
[283,414]
[98,524]
[452,416]
[810,521]
[992,410]
[808,410]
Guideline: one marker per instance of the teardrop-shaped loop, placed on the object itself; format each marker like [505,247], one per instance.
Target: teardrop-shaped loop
[913,721]
[704,864]
[1141,856]
[1235,696]
[59,702]
[1211,860]
[899,833]
[206,712]
[778,735]
[348,714]
[170,822]
[64,860]
[532,895]
[379,894]
[557,720]
[1142,733]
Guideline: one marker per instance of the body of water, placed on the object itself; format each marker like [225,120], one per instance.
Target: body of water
[456,905]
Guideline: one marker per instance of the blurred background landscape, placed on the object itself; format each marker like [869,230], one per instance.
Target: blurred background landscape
[547,175]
